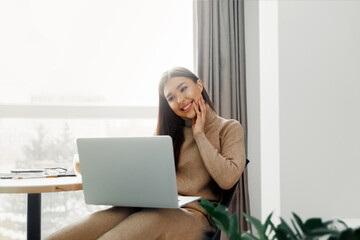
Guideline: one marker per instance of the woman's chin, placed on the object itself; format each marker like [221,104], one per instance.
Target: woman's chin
[189,115]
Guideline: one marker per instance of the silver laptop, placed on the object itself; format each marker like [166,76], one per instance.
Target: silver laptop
[130,171]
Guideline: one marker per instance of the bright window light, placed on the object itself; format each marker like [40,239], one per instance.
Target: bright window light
[91,52]
[79,68]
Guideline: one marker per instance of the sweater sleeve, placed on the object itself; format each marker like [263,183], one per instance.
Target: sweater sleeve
[225,166]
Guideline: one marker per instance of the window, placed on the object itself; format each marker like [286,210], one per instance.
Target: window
[74,69]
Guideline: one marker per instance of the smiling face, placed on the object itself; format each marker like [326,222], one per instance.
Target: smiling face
[180,93]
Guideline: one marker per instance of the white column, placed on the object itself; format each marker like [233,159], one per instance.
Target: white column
[269,109]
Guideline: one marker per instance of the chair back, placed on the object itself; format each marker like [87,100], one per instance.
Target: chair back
[227,196]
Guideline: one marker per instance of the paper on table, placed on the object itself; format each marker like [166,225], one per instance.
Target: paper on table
[21,175]
[29,176]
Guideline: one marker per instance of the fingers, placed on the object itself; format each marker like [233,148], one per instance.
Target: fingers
[198,122]
[202,108]
[202,105]
[197,110]
[196,106]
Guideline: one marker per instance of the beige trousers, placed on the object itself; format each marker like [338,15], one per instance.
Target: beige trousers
[136,224]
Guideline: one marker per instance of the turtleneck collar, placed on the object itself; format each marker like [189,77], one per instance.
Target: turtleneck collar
[210,116]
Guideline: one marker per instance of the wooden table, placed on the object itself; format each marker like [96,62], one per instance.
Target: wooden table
[34,188]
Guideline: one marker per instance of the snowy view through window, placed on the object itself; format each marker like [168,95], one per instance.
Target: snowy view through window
[72,69]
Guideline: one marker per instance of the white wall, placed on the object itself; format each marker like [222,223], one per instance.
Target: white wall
[319,75]
[261,28]
[317,58]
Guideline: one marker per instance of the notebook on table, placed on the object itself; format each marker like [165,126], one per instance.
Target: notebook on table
[130,171]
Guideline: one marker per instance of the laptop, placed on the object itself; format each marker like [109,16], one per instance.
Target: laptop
[130,172]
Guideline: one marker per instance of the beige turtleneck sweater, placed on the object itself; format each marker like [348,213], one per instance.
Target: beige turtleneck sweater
[210,161]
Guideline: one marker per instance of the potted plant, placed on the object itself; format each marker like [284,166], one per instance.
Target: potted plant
[313,228]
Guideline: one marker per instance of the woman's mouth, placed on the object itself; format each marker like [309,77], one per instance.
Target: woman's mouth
[188,107]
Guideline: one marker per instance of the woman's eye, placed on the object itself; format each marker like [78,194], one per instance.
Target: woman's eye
[170,99]
[183,89]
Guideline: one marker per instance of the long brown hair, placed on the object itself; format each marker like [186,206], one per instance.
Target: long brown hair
[168,122]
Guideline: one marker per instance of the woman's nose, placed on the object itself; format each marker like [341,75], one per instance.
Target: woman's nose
[180,98]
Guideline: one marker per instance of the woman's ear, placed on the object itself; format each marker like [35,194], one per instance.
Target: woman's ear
[199,84]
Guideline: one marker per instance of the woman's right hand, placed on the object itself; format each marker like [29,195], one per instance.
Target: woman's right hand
[198,122]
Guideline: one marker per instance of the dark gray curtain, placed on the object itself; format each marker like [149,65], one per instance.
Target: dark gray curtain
[220,63]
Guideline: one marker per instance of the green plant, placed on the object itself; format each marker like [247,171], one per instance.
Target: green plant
[220,217]
[311,229]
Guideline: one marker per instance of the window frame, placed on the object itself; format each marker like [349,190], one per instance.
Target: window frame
[26,111]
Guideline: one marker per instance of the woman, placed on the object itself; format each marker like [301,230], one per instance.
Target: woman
[209,156]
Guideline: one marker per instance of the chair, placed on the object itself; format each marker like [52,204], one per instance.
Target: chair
[227,196]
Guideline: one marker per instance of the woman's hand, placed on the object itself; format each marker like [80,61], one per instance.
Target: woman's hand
[198,122]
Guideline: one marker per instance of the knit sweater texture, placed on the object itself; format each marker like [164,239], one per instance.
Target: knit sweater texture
[212,160]
[208,162]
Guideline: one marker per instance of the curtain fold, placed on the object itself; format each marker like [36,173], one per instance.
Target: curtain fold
[220,62]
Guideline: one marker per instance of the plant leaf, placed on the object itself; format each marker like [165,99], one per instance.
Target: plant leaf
[257,224]
[296,229]
[235,237]
[207,205]
[273,228]
[342,222]
[221,209]
[221,217]
[323,231]
[267,223]
[334,221]
[287,229]
[269,233]
[248,236]
[259,227]
[234,226]
[281,233]
[347,234]
[220,220]
[357,233]
[218,214]
[311,224]
[299,222]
